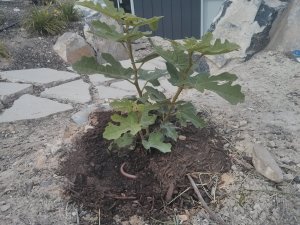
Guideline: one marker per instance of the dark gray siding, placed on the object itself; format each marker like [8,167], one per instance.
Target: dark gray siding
[181,17]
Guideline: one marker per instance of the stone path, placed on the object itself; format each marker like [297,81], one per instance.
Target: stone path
[36,93]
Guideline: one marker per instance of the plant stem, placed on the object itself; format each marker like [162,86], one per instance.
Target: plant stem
[172,104]
[180,88]
[135,69]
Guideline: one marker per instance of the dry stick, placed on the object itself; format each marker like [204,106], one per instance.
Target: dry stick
[122,197]
[99,214]
[205,206]
[77,217]
[178,196]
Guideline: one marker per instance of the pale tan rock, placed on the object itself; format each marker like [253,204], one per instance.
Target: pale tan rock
[183,218]
[40,160]
[226,180]
[265,164]
[71,47]
[102,45]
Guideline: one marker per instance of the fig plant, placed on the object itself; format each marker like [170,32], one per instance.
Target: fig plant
[152,118]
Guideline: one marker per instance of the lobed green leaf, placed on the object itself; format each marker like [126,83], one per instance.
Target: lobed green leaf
[220,84]
[108,10]
[155,140]
[125,140]
[106,31]
[169,130]
[148,58]
[177,57]
[114,69]
[186,112]
[207,47]
[123,105]
[152,76]
[155,94]
[129,123]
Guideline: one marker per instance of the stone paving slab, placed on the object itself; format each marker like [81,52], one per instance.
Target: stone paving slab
[42,77]
[31,107]
[158,63]
[11,91]
[100,79]
[112,93]
[76,91]
[126,86]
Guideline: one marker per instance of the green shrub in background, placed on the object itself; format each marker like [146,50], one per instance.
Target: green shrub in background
[68,11]
[152,119]
[44,21]
[3,51]
[43,2]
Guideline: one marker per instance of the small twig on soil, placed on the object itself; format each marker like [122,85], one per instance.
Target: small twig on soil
[205,206]
[66,209]
[178,195]
[77,217]
[242,162]
[121,197]
[130,176]
[203,187]
[99,215]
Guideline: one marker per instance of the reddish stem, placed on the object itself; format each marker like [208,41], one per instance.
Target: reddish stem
[130,176]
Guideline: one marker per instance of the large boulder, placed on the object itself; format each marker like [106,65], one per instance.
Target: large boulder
[102,45]
[285,34]
[247,23]
[71,47]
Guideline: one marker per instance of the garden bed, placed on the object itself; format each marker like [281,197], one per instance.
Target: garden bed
[97,183]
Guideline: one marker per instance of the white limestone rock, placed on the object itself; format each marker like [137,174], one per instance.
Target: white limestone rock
[11,91]
[76,91]
[71,47]
[265,164]
[44,77]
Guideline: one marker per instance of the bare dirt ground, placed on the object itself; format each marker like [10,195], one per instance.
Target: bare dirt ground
[31,191]
[270,116]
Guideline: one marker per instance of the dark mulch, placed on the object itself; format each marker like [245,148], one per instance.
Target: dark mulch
[98,183]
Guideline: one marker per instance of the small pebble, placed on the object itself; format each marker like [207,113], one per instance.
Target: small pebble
[243,123]
[297,179]
[182,138]
[226,145]
[272,144]
[4,208]
[183,218]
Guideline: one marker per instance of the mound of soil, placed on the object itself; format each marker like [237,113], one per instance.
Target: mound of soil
[98,184]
